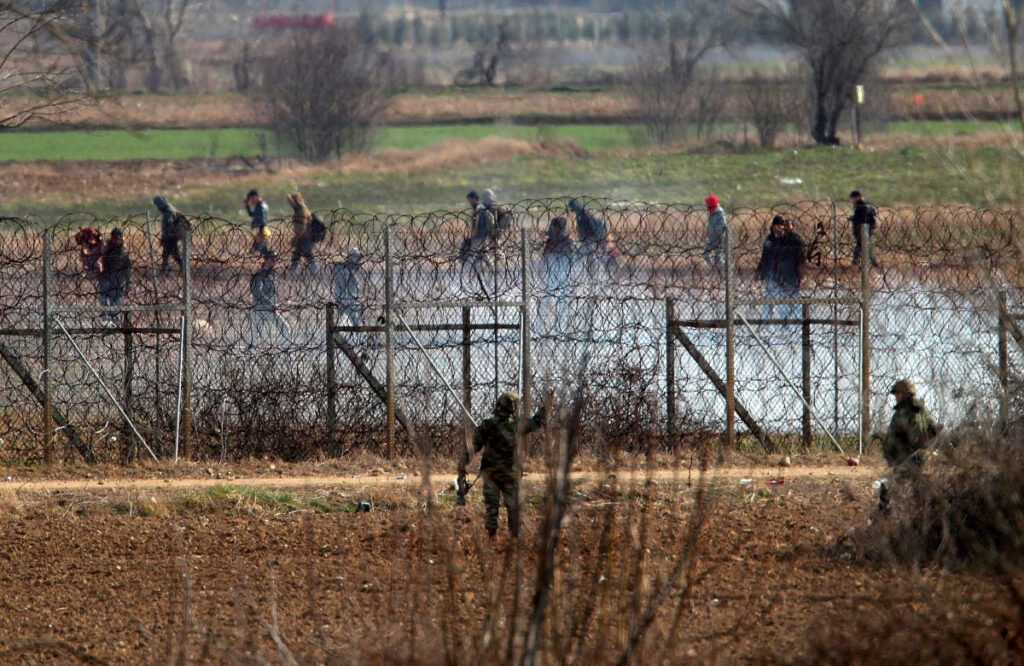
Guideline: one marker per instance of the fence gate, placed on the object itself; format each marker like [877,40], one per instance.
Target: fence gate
[774,374]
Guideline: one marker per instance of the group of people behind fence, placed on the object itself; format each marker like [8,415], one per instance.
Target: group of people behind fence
[592,255]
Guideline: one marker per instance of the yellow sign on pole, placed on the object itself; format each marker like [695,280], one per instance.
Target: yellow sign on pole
[860,94]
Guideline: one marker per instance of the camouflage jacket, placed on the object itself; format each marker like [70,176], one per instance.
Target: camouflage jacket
[910,430]
[496,436]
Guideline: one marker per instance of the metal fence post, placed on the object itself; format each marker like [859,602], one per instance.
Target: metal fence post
[186,333]
[730,344]
[389,341]
[670,374]
[526,319]
[1004,366]
[48,428]
[128,448]
[805,336]
[467,362]
[835,320]
[866,257]
[159,323]
[332,385]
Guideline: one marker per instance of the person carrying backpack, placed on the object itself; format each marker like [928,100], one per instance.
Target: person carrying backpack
[863,213]
[302,232]
[172,229]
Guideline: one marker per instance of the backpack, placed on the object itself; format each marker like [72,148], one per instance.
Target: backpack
[317,229]
[503,218]
[180,225]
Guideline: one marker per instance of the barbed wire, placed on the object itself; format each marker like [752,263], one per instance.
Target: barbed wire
[261,375]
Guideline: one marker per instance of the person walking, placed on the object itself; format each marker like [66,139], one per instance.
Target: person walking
[906,440]
[114,276]
[263,288]
[781,268]
[345,283]
[864,213]
[497,437]
[173,226]
[714,247]
[595,248]
[302,233]
[559,250]
[259,218]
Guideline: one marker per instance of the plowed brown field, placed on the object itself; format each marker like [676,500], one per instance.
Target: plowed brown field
[154,569]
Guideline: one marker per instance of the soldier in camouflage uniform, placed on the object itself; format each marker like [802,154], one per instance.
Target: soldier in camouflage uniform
[499,469]
[909,432]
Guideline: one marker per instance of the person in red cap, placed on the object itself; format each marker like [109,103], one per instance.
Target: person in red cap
[716,232]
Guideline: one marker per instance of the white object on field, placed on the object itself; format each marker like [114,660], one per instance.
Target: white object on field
[746,482]
[791,181]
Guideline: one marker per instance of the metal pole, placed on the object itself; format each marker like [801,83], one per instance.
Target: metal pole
[332,385]
[835,319]
[181,374]
[389,341]
[186,346]
[527,369]
[106,390]
[730,345]
[866,259]
[805,335]
[670,374]
[467,362]
[1004,366]
[494,296]
[129,373]
[159,323]
[48,427]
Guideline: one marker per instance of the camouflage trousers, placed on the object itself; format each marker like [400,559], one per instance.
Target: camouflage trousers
[500,484]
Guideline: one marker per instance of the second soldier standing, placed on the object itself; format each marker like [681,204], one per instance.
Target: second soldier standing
[499,468]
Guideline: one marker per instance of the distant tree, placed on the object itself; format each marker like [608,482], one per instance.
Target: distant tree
[1013,13]
[325,92]
[662,82]
[149,31]
[839,42]
[769,104]
[488,57]
[45,57]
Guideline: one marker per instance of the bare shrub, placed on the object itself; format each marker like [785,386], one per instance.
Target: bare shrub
[769,104]
[325,92]
[663,83]
[965,509]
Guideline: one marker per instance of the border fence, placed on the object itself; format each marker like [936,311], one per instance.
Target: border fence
[678,348]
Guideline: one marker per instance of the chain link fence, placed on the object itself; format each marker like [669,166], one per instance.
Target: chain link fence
[945,296]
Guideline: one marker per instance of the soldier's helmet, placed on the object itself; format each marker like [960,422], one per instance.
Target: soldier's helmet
[508,403]
[904,386]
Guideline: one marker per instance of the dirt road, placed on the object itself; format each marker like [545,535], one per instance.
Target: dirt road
[758,474]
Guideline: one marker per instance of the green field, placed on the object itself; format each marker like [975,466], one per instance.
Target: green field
[181,144]
[917,175]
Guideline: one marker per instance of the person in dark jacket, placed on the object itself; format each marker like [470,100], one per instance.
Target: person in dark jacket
[559,252]
[263,287]
[595,248]
[115,275]
[863,214]
[782,268]
[172,230]
[90,248]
